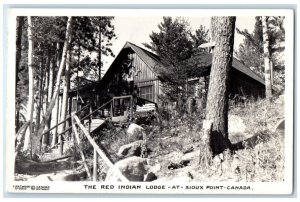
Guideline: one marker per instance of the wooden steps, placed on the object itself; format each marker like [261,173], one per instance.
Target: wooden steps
[146,108]
[95,124]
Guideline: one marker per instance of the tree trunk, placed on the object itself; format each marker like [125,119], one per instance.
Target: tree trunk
[20,22]
[56,91]
[39,93]
[99,50]
[49,84]
[267,58]
[64,109]
[217,99]
[56,119]
[30,102]
[77,78]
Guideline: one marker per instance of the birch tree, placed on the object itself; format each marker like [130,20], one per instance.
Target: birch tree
[30,102]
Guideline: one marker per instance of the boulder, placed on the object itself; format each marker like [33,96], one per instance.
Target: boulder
[131,149]
[173,157]
[235,124]
[133,168]
[191,156]
[135,131]
[149,177]
[280,126]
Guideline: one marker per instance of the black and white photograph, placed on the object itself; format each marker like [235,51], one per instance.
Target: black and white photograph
[150,101]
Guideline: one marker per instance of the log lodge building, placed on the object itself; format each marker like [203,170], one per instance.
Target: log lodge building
[133,70]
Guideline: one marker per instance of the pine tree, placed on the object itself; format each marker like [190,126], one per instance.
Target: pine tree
[173,44]
[37,138]
[251,51]
[200,37]
[267,61]
[216,124]
[105,33]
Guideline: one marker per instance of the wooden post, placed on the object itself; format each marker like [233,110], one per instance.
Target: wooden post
[99,151]
[80,150]
[131,108]
[90,118]
[95,165]
[111,109]
[61,146]
[56,122]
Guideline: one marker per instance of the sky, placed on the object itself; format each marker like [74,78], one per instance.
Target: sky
[137,30]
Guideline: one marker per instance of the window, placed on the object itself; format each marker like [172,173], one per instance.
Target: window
[146,92]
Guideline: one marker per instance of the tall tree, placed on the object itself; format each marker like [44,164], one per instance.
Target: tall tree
[105,32]
[173,44]
[37,138]
[251,51]
[66,88]
[216,131]
[30,102]
[20,25]
[267,58]
[200,37]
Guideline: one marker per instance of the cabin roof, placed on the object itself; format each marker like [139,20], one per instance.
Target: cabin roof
[148,57]
[203,61]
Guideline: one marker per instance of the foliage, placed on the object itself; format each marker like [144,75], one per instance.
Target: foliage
[102,33]
[48,36]
[251,50]
[200,37]
[174,44]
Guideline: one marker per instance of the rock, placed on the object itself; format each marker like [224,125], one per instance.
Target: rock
[131,149]
[235,124]
[155,168]
[191,156]
[181,164]
[173,160]
[133,168]
[136,131]
[149,177]
[174,157]
[188,150]
[174,132]
[280,100]
[280,126]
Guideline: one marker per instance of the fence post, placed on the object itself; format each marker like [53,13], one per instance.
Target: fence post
[111,109]
[99,151]
[95,165]
[131,108]
[80,149]
[90,118]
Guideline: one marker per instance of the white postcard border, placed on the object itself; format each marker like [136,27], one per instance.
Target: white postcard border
[78,187]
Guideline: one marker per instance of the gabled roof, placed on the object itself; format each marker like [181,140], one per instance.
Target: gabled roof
[205,60]
[149,58]
[246,70]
